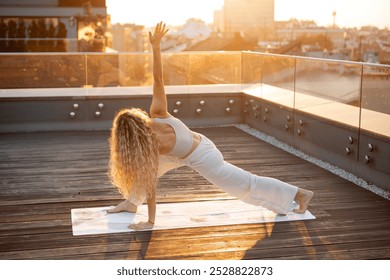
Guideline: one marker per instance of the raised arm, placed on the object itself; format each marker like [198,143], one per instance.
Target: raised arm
[159,106]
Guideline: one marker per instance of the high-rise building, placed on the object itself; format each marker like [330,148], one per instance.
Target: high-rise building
[251,17]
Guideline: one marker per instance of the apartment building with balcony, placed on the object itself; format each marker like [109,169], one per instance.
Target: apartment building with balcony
[75,21]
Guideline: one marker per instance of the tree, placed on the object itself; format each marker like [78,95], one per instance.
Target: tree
[42,33]
[21,35]
[3,36]
[12,47]
[61,34]
[33,35]
[96,22]
[51,33]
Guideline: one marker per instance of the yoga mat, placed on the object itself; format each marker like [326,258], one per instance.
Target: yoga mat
[87,221]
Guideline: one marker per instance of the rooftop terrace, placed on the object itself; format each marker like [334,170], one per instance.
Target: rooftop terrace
[40,187]
[334,112]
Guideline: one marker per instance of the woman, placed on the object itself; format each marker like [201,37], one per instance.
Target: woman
[144,148]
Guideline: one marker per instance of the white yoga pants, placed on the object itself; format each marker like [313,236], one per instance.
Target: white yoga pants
[208,161]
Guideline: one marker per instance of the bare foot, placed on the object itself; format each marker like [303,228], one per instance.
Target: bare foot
[124,206]
[303,198]
[141,226]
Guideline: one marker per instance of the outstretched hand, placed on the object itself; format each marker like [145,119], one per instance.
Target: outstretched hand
[159,31]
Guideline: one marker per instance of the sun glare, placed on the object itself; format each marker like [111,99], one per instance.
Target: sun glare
[173,12]
[349,13]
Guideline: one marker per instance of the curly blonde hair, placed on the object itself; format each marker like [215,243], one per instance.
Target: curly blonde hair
[133,155]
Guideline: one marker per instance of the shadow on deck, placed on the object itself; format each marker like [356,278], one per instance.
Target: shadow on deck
[45,175]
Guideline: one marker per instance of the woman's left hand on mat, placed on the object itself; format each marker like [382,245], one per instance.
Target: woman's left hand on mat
[141,226]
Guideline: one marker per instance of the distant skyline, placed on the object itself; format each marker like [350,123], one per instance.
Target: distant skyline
[350,13]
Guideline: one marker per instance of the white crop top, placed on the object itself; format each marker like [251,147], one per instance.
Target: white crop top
[184,139]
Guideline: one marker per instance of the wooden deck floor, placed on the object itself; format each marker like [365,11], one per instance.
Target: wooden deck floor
[45,175]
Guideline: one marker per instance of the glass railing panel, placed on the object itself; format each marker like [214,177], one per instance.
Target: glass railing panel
[119,74]
[134,70]
[214,72]
[329,89]
[102,70]
[42,70]
[38,45]
[176,69]
[375,115]
[278,79]
[251,73]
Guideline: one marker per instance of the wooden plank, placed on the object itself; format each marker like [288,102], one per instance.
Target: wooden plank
[45,175]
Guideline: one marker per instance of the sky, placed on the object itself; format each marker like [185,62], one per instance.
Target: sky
[350,13]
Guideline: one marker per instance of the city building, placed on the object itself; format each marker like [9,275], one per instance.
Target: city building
[128,38]
[337,36]
[251,17]
[37,25]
